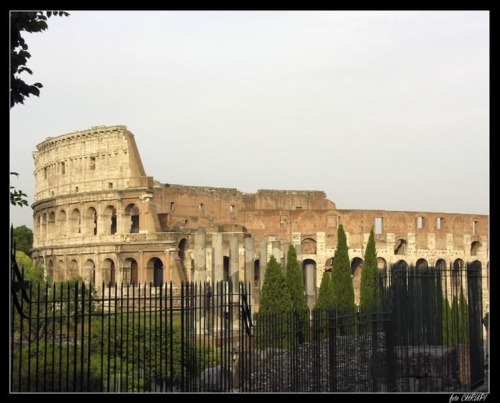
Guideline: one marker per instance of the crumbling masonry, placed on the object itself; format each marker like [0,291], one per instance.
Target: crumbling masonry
[98,215]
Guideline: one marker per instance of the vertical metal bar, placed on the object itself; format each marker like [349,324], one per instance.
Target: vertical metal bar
[36,335]
[53,337]
[108,372]
[161,377]
[182,337]
[75,336]
[132,386]
[102,334]
[115,334]
[82,352]
[171,334]
[89,338]
[45,334]
[120,377]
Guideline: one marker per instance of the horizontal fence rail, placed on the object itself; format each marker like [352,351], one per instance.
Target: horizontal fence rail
[424,334]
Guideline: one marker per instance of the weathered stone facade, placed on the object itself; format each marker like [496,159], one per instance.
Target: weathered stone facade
[98,215]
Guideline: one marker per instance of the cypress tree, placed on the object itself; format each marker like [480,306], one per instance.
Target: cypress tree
[343,289]
[325,297]
[369,295]
[275,296]
[274,316]
[294,281]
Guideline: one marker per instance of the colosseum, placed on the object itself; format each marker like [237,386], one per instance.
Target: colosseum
[98,215]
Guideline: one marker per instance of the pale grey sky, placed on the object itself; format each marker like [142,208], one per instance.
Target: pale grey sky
[381,110]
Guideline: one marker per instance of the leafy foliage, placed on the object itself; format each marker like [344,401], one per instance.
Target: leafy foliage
[17,197]
[32,22]
[325,297]
[23,238]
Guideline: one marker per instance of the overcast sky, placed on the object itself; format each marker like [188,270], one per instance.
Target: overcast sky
[381,110]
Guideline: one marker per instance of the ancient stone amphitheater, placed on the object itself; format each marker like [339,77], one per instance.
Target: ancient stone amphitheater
[98,215]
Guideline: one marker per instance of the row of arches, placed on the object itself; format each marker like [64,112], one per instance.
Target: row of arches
[129,275]
[400,248]
[89,222]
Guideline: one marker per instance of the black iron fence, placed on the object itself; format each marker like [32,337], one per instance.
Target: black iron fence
[425,334]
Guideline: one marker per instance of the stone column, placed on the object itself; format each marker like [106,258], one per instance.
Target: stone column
[200,264]
[249,264]
[249,270]
[300,258]
[234,260]
[218,260]
[310,285]
[277,250]
[262,262]
[285,255]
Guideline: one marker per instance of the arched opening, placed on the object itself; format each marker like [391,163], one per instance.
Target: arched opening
[422,264]
[51,224]
[90,271]
[256,272]
[59,274]
[225,262]
[50,270]
[130,272]
[73,269]
[132,211]
[475,248]
[108,272]
[400,248]
[382,265]
[155,271]
[401,264]
[441,264]
[456,276]
[110,220]
[356,266]
[182,250]
[75,222]
[308,246]
[61,223]
[309,278]
[44,226]
[356,270]
[91,221]
[329,264]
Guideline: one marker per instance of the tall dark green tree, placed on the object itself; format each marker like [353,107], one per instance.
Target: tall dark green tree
[325,296]
[294,281]
[343,289]
[275,316]
[370,293]
[275,296]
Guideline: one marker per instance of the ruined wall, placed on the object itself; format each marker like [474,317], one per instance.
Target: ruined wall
[98,215]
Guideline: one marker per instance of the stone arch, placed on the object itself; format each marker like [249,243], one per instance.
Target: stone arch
[90,271]
[401,246]
[50,269]
[329,264]
[132,213]
[181,250]
[402,264]
[225,265]
[130,271]
[51,224]
[456,276]
[74,269]
[154,273]
[108,272]
[61,223]
[44,226]
[91,221]
[441,264]
[110,220]
[60,272]
[422,264]
[75,222]
[308,246]
[382,266]
[475,248]
[256,271]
